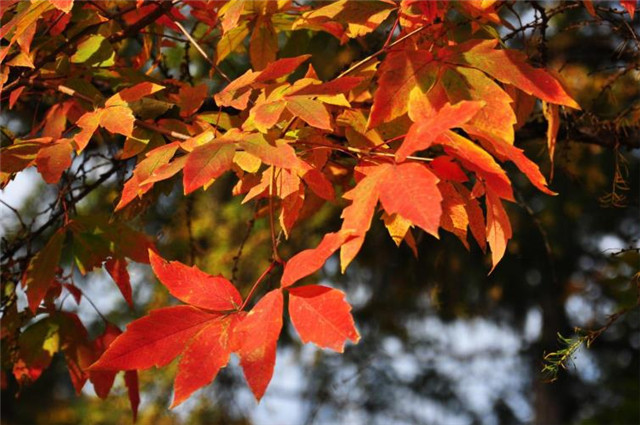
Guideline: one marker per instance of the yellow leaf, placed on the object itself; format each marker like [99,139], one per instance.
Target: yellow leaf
[397,226]
[552,114]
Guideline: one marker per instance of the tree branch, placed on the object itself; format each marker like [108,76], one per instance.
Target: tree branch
[16,245]
[594,132]
[121,35]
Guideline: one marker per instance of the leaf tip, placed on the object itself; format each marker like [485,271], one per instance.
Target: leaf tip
[176,401]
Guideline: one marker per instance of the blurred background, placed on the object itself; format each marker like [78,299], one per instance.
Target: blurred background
[442,341]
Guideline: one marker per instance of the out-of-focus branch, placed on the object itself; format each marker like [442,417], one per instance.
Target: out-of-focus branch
[588,129]
[19,243]
[118,36]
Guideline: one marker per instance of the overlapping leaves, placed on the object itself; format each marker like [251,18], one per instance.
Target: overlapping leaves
[418,130]
[212,325]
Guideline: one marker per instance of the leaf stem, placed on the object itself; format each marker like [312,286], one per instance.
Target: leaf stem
[393,29]
[382,50]
[161,130]
[255,285]
[364,151]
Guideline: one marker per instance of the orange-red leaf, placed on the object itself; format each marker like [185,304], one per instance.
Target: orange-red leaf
[322,316]
[424,132]
[88,124]
[498,228]
[454,216]
[309,261]
[358,18]
[133,93]
[446,169]
[64,5]
[400,72]
[154,340]
[155,159]
[291,207]
[230,14]
[397,226]
[118,119]
[131,381]
[317,181]
[281,67]
[15,95]
[53,159]
[313,112]
[116,116]
[263,45]
[258,333]
[206,353]
[237,93]
[338,86]
[552,114]
[476,159]
[510,66]
[357,216]
[102,380]
[191,98]
[411,190]
[630,5]
[166,171]
[497,118]
[193,286]
[206,163]
[55,120]
[476,217]
[266,115]
[279,154]
[505,151]
[117,268]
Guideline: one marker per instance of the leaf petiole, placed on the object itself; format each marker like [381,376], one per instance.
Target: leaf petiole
[255,285]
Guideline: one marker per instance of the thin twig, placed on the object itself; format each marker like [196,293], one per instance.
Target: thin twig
[236,258]
[362,151]
[359,64]
[201,50]
[255,285]
[393,28]
[382,50]
[54,217]
[95,307]
[17,213]
[167,132]
[543,233]
[188,212]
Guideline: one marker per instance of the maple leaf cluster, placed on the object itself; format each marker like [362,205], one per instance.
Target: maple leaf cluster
[419,131]
[213,325]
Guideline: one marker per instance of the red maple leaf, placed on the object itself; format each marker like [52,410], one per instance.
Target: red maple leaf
[212,326]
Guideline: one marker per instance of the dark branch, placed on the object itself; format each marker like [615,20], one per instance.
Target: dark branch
[19,243]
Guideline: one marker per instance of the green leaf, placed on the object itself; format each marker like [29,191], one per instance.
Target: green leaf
[89,250]
[94,51]
[149,108]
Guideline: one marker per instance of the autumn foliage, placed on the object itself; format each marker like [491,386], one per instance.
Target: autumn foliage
[417,134]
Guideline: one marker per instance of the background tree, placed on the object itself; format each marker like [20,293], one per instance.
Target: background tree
[127,109]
